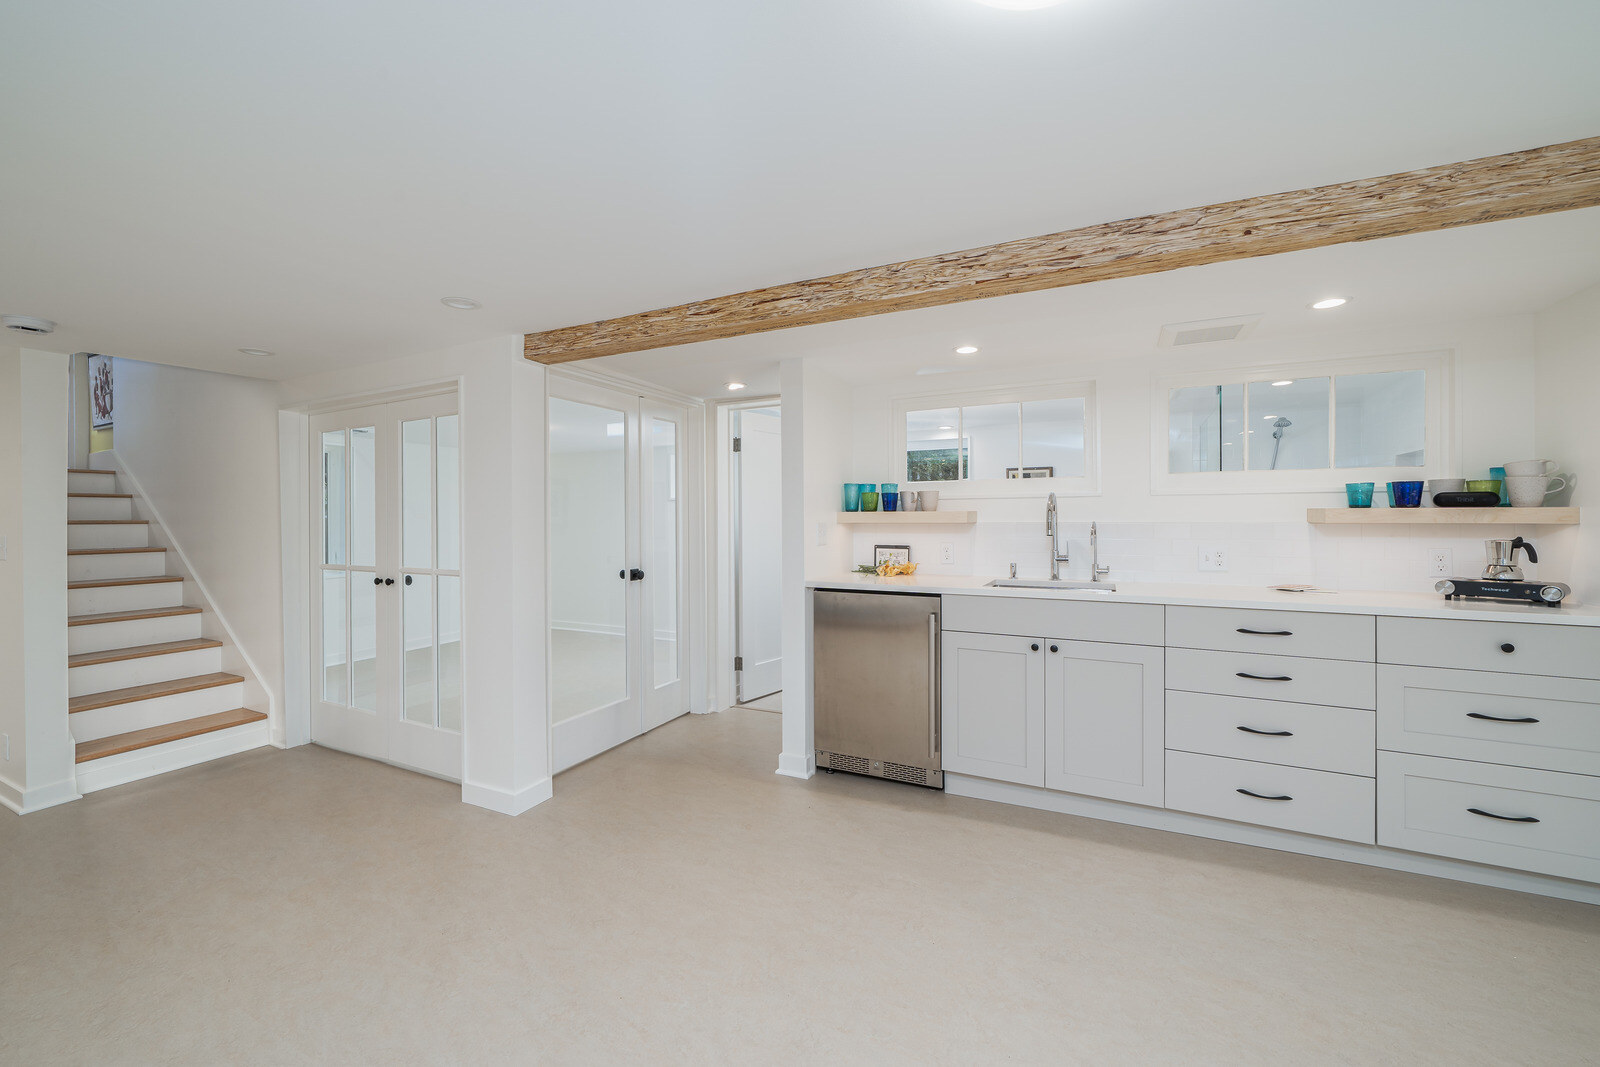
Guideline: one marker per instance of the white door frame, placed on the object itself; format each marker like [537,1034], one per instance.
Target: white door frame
[720,557]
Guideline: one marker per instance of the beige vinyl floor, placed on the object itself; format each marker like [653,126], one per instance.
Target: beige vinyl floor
[677,902]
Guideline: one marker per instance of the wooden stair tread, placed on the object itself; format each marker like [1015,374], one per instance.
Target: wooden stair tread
[87,470]
[156,735]
[102,583]
[108,551]
[108,522]
[149,691]
[162,648]
[103,496]
[128,616]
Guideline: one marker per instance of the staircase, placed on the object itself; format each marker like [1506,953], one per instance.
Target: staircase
[146,690]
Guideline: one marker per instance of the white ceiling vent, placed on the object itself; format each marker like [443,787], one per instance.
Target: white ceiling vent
[1205,331]
[26,324]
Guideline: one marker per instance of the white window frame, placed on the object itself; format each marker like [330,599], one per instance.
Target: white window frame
[1438,434]
[1004,488]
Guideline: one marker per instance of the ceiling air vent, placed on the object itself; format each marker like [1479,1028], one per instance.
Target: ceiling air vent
[26,324]
[1177,334]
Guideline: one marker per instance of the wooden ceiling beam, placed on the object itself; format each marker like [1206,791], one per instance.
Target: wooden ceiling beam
[1534,182]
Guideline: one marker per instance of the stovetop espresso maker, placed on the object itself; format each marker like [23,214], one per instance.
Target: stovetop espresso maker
[1502,577]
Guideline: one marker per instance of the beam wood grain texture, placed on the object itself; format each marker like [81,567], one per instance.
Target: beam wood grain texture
[1537,181]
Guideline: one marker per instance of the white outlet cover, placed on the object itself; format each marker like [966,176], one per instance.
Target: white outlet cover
[947,552]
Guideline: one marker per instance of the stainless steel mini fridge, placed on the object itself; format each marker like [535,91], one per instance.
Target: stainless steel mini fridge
[875,678]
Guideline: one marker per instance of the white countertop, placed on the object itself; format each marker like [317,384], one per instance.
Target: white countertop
[1358,602]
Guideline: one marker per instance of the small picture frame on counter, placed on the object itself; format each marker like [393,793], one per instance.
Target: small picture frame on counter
[882,554]
[1030,472]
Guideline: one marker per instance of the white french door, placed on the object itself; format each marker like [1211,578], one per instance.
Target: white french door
[386,596]
[618,618]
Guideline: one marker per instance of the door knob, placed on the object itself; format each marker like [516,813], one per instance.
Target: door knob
[635,575]
[376,580]
[408,579]
[388,581]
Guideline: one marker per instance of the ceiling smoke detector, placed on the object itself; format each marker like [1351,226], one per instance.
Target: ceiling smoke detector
[27,324]
[1205,331]
[460,303]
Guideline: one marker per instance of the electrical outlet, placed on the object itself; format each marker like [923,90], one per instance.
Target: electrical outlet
[822,534]
[1440,561]
[947,552]
[1212,559]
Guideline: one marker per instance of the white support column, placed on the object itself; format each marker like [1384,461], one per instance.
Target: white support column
[798,759]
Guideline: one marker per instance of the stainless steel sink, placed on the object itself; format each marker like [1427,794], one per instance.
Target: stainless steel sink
[1046,583]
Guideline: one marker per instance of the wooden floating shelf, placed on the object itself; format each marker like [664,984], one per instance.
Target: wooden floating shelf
[1443,516]
[908,518]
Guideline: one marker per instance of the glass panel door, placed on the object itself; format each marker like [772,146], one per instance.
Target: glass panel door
[388,597]
[662,515]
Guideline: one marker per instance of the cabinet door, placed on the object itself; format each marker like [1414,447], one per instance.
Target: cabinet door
[1104,729]
[992,711]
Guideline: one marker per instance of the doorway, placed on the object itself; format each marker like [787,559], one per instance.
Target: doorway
[757,556]
[386,591]
[618,616]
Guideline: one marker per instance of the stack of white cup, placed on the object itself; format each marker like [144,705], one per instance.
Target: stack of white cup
[1528,482]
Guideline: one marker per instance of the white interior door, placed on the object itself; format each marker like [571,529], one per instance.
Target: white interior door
[617,613]
[386,599]
[758,553]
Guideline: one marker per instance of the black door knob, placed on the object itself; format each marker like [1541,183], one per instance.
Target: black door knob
[1054,648]
[376,580]
[388,581]
[623,575]
[408,579]
[635,575]
[1034,647]
[1508,647]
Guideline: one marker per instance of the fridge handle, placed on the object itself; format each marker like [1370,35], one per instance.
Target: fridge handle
[933,687]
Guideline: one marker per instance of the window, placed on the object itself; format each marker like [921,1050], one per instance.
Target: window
[1000,436]
[1255,429]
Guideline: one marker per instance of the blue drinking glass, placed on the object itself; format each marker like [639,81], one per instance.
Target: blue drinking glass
[852,496]
[1359,494]
[890,500]
[1406,494]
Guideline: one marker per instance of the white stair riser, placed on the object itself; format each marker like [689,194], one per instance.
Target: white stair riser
[129,565]
[132,535]
[91,483]
[158,759]
[103,677]
[90,507]
[142,714]
[103,636]
[95,600]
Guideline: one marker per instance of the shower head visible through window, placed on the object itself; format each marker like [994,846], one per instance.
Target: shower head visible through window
[1278,426]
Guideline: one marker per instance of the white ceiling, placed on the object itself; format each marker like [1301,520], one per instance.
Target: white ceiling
[183,178]
[1502,268]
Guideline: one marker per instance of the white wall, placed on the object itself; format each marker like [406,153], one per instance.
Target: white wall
[37,771]
[203,448]
[505,740]
[1568,429]
[1155,537]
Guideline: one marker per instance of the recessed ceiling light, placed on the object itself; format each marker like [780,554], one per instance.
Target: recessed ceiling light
[967,350]
[460,303]
[947,427]
[1286,381]
[1331,302]
[734,387]
[255,351]
[1268,418]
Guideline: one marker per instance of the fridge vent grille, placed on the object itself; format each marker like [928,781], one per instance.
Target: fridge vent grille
[900,772]
[853,764]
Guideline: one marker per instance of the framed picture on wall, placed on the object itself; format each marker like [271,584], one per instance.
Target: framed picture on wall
[1030,472]
[882,554]
[101,404]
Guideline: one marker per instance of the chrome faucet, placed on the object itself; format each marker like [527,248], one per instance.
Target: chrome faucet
[1052,529]
[1096,572]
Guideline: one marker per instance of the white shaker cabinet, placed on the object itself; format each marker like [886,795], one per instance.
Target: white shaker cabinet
[1103,720]
[992,698]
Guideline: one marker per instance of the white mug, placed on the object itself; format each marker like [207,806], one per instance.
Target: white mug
[1529,491]
[1532,468]
[928,499]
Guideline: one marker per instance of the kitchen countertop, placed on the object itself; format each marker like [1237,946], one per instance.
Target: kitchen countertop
[1357,602]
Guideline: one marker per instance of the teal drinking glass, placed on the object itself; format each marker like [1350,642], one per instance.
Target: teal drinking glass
[1359,494]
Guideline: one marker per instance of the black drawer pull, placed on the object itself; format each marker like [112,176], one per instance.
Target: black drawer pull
[1263,733]
[1264,633]
[1263,677]
[1496,718]
[1261,796]
[1502,818]
[1508,647]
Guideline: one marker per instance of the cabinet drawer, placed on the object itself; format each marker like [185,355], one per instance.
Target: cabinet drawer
[1272,731]
[1547,822]
[1526,721]
[1069,620]
[1293,678]
[1279,633]
[1535,648]
[1319,802]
